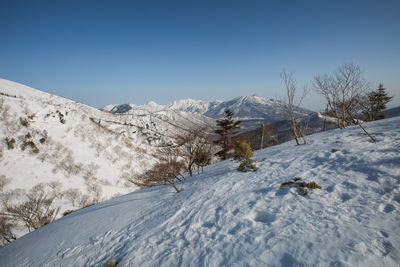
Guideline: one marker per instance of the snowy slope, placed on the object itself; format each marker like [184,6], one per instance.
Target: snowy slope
[225,218]
[79,147]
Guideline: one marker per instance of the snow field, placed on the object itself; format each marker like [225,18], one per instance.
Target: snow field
[224,217]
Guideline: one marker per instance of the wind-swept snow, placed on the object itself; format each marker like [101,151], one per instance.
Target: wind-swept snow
[225,217]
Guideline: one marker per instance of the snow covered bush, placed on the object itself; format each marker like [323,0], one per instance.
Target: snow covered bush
[243,153]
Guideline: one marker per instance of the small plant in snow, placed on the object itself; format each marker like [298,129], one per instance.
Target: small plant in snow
[301,185]
[61,117]
[10,143]
[24,122]
[111,264]
[243,153]
[31,145]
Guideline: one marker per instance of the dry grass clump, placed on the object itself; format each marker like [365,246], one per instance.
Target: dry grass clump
[303,186]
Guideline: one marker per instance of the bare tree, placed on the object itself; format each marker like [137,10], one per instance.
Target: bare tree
[160,174]
[204,156]
[342,90]
[192,144]
[36,211]
[269,135]
[6,225]
[291,103]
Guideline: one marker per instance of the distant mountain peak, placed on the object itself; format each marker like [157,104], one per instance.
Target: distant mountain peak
[243,107]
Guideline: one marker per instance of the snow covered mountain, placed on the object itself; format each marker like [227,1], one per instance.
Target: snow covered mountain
[243,108]
[187,105]
[224,217]
[251,110]
[76,149]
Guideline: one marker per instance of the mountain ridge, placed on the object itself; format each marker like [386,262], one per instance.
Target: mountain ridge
[243,107]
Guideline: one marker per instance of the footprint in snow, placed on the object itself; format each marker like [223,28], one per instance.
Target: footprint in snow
[234,230]
[388,208]
[330,188]
[384,234]
[397,198]
[264,217]
[345,197]
[349,185]
[382,248]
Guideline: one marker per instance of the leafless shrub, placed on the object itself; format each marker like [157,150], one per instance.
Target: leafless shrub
[90,171]
[56,187]
[86,200]
[116,195]
[191,144]
[303,129]
[10,142]
[24,122]
[9,119]
[291,103]
[74,195]
[96,192]
[60,117]
[4,181]
[342,90]
[161,174]
[43,156]
[204,156]
[37,210]
[31,145]
[6,226]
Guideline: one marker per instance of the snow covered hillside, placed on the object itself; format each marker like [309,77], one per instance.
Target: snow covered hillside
[82,153]
[224,217]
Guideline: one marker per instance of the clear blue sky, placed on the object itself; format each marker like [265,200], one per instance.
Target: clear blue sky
[102,52]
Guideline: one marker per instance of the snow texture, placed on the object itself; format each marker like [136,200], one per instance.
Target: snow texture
[83,148]
[224,217]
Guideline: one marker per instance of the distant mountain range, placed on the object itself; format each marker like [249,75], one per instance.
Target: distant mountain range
[244,108]
[251,110]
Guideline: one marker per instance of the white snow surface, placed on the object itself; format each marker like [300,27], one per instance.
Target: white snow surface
[224,217]
[92,151]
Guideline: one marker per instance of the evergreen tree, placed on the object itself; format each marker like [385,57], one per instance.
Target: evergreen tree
[227,129]
[377,101]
